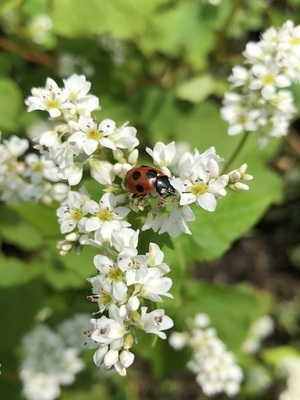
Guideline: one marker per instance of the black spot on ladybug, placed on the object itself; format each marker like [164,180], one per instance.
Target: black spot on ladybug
[151,173]
[136,175]
[139,188]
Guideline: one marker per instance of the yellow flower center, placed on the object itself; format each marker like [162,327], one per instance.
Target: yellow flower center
[295,41]
[105,215]
[199,188]
[269,79]
[105,298]
[76,214]
[115,275]
[37,167]
[52,103]
[94,134]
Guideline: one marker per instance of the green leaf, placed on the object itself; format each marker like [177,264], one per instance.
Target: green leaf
[14,271]
[10,104]
[231,309]
[274,356]
[180,29]
[196,89]
[18,306]
[41,217]
[122,19]
[18,232]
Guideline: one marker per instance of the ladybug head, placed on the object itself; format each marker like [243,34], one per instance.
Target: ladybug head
[163,186]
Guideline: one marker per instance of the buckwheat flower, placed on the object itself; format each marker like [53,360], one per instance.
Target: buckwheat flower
[125,240]
[102,292]
[267,78]
[154,285]
[72,330]
[236,176]
[105,214]
[134,266]
[71,214]
[201,188]
[110,273]
[239,115]
[260,103]
[51,98]
[15,146]
[178,340]
[213,365]
[260,329]
[124,137]
[47,364]
[155,256]
[78,87]
[176,222]
[162,154]
[101,171]
[108,330]
[154,220]
[89,135]
[289,367]
[155,322]
[39,28]
[38,168]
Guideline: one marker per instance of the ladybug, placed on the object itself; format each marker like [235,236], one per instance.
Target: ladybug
[143,180]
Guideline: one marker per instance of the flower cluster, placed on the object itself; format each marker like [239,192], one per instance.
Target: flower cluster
[27,176]
[124,279]
[52,358]
[260,329]
[82,143]
[290,367]
[215,367]
[260,100]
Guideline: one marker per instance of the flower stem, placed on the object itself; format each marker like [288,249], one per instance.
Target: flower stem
[236,5]
[236,152]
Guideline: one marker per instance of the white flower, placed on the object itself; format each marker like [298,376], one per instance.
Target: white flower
[102,171]
[108,330]
[162,154]
[155,285]
[78,88]
[51,98]
[267,79]
[155,322]
[111,274]
[125,240]
[71,214]
[124,137]
[89,135]
[201,188]
[47,364]
[213,365]
[106,215]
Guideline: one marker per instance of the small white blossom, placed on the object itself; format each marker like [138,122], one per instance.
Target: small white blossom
[213,365]
[155,322]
